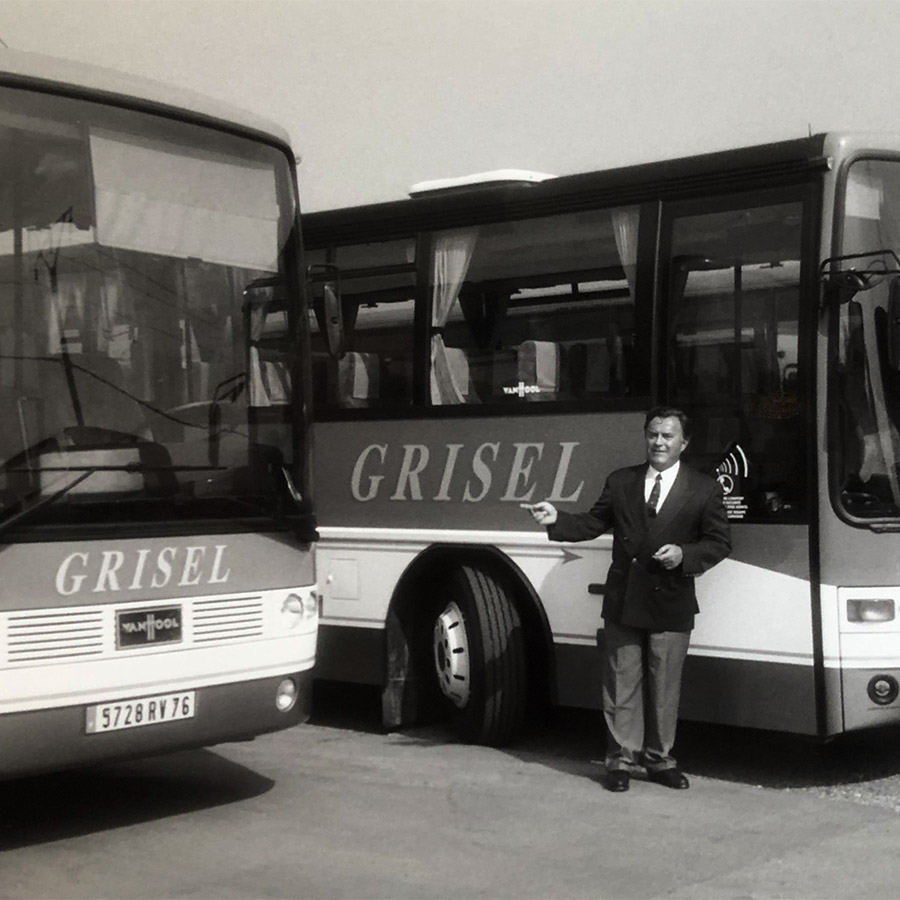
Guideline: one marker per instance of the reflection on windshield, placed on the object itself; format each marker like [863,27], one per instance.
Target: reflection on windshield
[140,361]
[867,390]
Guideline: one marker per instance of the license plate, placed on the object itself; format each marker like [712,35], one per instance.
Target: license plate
[140,711]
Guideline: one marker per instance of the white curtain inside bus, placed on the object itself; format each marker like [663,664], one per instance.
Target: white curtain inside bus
[625,229]
[452,254]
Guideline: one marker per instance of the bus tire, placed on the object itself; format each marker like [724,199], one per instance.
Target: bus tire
[479,656]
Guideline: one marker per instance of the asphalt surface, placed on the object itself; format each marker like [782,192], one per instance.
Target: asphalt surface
[768,815]
[338,809]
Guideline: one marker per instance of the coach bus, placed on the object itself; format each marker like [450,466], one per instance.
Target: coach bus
[157,583]
[499,342]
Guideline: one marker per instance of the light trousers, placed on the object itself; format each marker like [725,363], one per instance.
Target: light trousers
[641,693]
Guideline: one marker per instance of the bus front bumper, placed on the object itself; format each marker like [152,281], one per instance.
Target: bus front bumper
[50,740]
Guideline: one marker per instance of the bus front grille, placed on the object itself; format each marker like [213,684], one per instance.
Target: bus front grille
[29,637]
[227,618]
[64,634]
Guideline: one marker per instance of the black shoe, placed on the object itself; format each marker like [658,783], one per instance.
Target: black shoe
[670,778]
[616,780]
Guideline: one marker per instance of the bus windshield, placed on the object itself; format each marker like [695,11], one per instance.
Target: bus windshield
[146,351]
[867,385]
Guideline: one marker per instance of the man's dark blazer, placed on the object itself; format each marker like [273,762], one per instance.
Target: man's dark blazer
[639,592]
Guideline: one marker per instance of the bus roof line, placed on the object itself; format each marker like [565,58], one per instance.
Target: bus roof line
[89,82]
[759,166]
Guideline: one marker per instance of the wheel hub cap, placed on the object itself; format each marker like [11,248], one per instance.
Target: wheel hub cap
[451,655]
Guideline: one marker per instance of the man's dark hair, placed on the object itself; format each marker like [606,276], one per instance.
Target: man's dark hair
[670,412]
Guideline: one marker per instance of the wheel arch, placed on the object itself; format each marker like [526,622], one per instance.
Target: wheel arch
[407,697]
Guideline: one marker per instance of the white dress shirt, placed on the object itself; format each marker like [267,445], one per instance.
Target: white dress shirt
[665,485]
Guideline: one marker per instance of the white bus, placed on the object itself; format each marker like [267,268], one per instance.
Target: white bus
[157,583]
[500,343]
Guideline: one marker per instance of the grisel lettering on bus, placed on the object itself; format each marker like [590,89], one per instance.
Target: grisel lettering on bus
[115,570]
[455,472]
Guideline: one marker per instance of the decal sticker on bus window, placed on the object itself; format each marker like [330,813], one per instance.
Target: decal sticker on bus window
[731,474]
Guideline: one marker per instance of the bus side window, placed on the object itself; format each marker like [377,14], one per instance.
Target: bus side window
[380,355]
[378,305]
[544,308]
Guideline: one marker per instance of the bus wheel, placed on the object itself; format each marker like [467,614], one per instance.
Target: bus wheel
[479,656]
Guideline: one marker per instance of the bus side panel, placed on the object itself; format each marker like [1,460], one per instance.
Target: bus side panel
[396,486]
[751,661]
[467,473]
[749,693]
[354,654]
[751,657]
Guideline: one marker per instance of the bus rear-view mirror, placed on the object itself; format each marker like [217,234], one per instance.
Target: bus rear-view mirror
[334,320]
[325,284]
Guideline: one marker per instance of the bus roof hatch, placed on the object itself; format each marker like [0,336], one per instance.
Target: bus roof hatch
[494,178]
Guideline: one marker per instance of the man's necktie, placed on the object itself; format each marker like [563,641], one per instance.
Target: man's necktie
[653,500]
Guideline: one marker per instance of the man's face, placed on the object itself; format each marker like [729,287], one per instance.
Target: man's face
[665,442]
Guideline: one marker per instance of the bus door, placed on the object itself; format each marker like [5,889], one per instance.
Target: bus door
[735,360]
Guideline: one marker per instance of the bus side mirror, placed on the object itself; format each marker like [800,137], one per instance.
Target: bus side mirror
[893,326]
[324,280]
[334,320]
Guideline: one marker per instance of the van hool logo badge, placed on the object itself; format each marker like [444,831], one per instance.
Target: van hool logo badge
[137,628]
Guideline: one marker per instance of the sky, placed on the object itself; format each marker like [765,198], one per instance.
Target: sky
[380,94]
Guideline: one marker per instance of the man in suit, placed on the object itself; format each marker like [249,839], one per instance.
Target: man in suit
[669,525]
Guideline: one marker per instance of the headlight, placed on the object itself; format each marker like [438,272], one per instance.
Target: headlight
[286,695]
[300,608]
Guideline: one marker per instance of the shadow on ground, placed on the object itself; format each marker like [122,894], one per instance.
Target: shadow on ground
[47,808]
[572,740]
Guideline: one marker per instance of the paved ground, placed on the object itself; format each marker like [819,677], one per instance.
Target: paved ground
[337,809]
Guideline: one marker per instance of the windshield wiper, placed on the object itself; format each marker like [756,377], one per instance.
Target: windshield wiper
[79,478]
[261,509]
[135,467]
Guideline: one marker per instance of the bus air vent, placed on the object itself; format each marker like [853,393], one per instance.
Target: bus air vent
[227,618]
[63,634]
